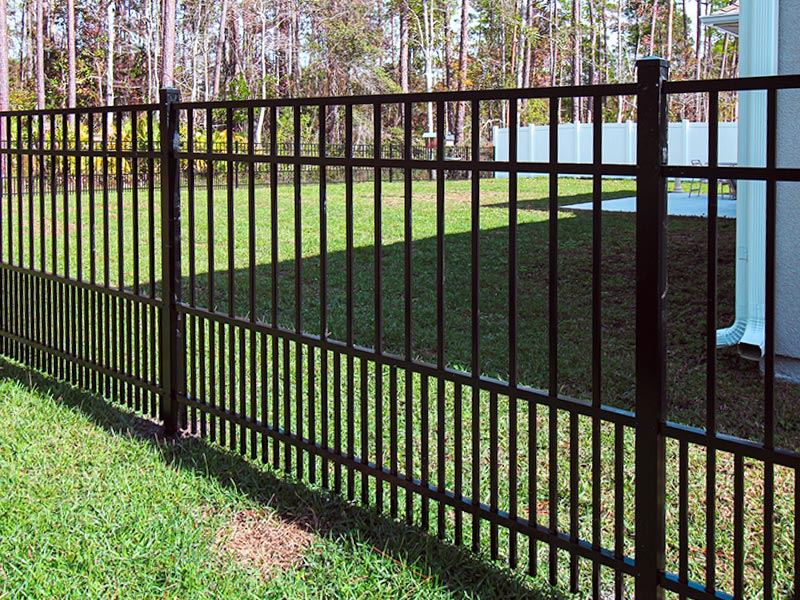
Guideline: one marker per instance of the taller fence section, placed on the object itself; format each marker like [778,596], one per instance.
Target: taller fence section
[377,339]
[746,490]
[80,265]
[465,353]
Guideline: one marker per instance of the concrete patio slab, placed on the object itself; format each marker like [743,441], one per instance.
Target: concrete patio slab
[679,205]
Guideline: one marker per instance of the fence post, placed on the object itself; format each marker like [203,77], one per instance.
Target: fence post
[651,350]
[171,357]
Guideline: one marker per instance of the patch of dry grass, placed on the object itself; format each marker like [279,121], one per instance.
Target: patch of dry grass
[264,541]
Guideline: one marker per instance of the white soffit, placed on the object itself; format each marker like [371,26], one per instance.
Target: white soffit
[726,19]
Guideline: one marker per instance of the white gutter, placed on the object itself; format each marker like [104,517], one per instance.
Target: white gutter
[758,56]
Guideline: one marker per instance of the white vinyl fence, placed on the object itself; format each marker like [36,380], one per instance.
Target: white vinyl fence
[687,142]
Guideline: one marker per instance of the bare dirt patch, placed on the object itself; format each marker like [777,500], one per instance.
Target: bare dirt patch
[260,539]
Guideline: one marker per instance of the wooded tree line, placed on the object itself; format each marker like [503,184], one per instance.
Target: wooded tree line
[80,52]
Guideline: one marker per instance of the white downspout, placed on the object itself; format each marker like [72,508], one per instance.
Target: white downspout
[631,145]
[758,35]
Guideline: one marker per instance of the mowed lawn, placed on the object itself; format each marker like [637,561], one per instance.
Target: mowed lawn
[218,275]
[93,505]
[217,237]
[739,382]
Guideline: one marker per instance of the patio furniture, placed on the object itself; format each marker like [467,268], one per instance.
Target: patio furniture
[730,183]
[696,185]
[727,186]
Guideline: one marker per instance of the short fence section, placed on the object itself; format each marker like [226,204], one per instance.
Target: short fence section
[381,338]
[80,265]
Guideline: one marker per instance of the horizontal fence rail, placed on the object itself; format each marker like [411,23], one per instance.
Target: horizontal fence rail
[380,319]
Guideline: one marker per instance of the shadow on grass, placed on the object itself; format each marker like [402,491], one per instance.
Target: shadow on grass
[739,385]
[324,513]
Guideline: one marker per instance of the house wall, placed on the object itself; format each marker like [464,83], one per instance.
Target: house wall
[787,333]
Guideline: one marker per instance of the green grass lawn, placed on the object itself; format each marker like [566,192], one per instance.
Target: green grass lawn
[739,384]
[122,236]
[93,505]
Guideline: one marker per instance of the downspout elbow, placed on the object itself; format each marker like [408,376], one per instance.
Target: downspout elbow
[751,346]
[731,336]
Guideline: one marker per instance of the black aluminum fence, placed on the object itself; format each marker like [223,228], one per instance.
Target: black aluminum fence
[127,178]
[313,326]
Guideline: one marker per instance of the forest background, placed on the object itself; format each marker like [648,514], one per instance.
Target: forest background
[86,53]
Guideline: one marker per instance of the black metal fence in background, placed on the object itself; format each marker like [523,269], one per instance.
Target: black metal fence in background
[213,308]
[127,179]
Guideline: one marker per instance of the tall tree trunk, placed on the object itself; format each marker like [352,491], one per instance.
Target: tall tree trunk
[23,71]
[449,118]
[195,55]
[698,99]
[150,52]
[448,52]
[295,48]
[522,41]
[685,32]
[169,31]
[503,57]
[516,33]
[462,72]
[551,30]
[605,59]
[111,10]
[220,49]
[404,47]
[529,41]
[576,57]
[282,61]
[206,75]
[654,18]
[262,111]
[234,42]
[4,100]
[724,65]
[592,56]
[619,58]
[429,29]
[71,68]
[708,58]
[670,20]
[593,45]
[698,39]
[40,54]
